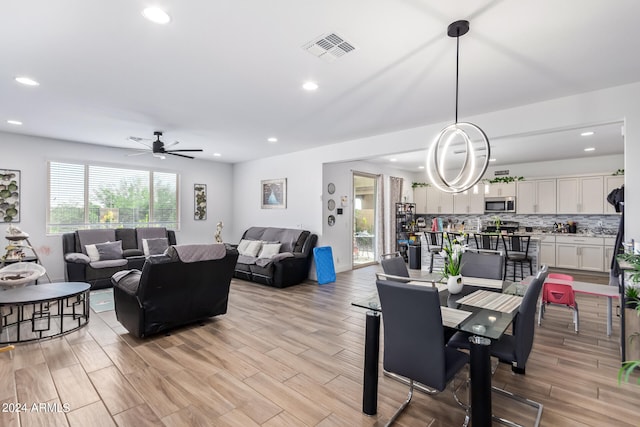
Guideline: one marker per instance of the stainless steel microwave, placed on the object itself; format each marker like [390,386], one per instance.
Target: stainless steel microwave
[499,204]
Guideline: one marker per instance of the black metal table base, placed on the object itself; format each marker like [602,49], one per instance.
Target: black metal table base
[371,352]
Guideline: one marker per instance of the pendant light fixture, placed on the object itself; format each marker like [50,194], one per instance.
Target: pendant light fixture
[459,138]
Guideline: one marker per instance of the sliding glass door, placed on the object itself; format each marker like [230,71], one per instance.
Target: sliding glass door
[364,219]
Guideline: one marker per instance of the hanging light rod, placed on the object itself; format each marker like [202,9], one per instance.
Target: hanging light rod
[456,134]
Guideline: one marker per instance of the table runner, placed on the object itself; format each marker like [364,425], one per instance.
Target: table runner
[452,317]
[492,301]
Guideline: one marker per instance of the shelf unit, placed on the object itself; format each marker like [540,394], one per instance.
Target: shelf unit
[405,227]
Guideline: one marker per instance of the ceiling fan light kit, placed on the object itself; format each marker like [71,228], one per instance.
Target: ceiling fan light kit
[159,149]
[475,142]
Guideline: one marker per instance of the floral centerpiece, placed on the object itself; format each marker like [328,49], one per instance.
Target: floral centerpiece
[452,271]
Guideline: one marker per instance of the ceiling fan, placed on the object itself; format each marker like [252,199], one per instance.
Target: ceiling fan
[159,149]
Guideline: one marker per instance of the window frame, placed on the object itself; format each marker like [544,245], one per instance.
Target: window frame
[87,202]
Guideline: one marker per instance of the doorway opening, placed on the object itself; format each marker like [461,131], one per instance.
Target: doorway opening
[365,195]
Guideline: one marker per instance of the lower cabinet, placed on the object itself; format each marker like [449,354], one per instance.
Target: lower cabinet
[583,253]
[547,254]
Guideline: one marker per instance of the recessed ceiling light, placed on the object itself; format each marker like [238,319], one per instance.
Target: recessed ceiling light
[217,154]
[15,122]
[393,160]
[590,149]
[492,160]
[272,139]
[27,81]
[157,15]
[420,167]
[310,86]
[587,133]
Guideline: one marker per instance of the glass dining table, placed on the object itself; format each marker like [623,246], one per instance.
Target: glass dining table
[481,309]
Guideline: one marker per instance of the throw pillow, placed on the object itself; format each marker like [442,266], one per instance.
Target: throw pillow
[92,253]
[154,246]
[110,250]
[269,250]
[242,246]
[253,249]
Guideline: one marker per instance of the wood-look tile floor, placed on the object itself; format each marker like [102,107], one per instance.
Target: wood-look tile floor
[293,357]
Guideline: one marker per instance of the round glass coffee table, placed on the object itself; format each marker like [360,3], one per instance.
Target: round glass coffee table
[38,312]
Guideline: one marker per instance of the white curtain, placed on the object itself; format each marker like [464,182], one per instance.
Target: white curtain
[395,196]
[379,226]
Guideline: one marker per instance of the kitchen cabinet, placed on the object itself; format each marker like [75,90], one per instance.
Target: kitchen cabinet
[547,251]
[580,195]
[420,199]
[581,253]
[502,189]
[468,203]
[439,202]
[611,183]
[536,197]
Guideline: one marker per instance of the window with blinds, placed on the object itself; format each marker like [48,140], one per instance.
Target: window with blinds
[90,196]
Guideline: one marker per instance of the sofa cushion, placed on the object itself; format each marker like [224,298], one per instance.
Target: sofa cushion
[251,249]
[242,246]
[269,250]
[109,250]
[110,263]
[155,246]
[91,237]
[77,257]
[128,238]
[150,233]
[130,253]
[92,252]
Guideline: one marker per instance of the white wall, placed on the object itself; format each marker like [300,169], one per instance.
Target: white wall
[30,156]
[304,169]
[340,235]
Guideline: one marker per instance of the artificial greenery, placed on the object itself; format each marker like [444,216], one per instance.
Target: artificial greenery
[419,184]
[618,172]
[632,296]
[453,254]
[504,179]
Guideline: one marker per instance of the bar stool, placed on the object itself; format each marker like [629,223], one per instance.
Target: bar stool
[434,243]
[487,241]
[516,249]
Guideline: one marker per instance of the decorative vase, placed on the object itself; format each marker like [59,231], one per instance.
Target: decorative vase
[454,284]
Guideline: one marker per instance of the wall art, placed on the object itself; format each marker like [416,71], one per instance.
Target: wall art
[274,193]
[10,195]
[200,201]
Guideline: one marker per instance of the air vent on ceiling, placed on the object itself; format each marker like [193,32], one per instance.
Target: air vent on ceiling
[329,47]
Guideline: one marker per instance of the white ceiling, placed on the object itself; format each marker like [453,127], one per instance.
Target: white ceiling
[225,75]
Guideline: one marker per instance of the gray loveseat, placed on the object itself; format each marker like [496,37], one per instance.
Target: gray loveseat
[273,256]
[117,249]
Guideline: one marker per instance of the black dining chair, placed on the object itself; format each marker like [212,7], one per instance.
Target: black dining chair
[516,249]
[515,348]
[414,345]
[483,263]
[393,264]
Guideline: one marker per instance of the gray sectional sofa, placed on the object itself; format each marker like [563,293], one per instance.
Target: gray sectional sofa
[93,256]
[278,257]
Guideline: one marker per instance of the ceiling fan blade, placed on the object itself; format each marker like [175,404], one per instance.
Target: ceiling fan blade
[138,154]
[193,150]
[139,140]
[172,144]
[179,155]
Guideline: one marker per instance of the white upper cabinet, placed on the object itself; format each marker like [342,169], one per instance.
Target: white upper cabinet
[580,195]
[611,183]
[420,199]
[536,197]
[502,189]
[439,202]
[468,203]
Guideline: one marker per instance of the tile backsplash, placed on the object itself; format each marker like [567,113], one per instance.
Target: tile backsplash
[584,222]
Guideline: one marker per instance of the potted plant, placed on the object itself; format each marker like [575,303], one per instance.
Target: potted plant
[452,270]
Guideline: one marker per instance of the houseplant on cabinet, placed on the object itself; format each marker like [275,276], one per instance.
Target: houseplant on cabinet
[452,270]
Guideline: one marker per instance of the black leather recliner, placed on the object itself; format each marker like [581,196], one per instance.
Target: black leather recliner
[169,292]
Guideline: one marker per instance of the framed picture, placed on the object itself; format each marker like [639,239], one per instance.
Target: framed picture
[274,193]
[200,201]
[9,195]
